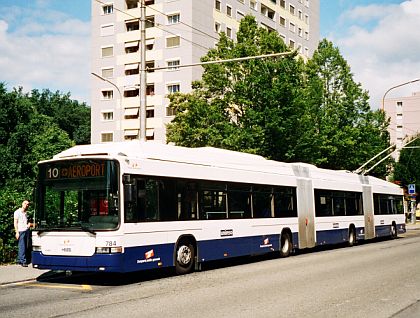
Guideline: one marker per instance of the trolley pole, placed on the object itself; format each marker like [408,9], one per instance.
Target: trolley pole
[142,72]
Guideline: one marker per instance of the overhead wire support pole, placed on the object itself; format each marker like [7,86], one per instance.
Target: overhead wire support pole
[238,59]
[360,169]
[142,71]
[387,156]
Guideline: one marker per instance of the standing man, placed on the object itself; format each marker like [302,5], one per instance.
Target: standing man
[22,232]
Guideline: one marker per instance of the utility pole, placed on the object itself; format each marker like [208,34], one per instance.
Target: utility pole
[142,69]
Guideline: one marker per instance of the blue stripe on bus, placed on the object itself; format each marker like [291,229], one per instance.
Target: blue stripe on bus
[155,256]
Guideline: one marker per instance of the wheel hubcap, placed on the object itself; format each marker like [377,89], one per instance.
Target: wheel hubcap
[184,255]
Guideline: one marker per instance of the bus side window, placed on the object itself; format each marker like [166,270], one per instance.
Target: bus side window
[148,200]
[187,201]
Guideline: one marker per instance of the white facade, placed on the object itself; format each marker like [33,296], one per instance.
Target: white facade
[178,32]
[404,115]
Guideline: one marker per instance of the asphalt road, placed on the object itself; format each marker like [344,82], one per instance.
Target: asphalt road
[380,279]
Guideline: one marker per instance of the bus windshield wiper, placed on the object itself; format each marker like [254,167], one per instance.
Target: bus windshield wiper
[87,229]
[49,229]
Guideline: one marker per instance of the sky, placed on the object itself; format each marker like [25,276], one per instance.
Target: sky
[46,44]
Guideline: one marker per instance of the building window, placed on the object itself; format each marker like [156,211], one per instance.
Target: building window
[109,94]
[174,18]
[131,4]
[170,111]
[399,128]
[107,137]
[306,35]
[131,113]
[292,10]
[283,4]
[266,11]
[292,27]
[239,15]
[108,9]
[300,32]
[306,19]
[282,22]
[217,27]
[131,47]
[132,25]
[300,15]
[399,116]
[217,5]
[253,5]
[173,41]
[150,22]
[107,29]
[150,113]
[108,72]
[149,44]
[150,89]
[131,69]
[229,10]
[291,44]
[229,32]
[131,92]
[173,65]
[107,51]
[173,88]
[150,66]
[107,116]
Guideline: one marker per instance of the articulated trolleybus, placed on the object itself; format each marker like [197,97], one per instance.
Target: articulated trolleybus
[130,206]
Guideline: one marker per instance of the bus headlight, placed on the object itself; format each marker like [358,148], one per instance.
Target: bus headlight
[36,248]
[109,250]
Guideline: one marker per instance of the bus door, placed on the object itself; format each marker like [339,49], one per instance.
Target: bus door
[368,212]
[306,209]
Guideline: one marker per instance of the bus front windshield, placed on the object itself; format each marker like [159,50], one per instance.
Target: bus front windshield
[77,195]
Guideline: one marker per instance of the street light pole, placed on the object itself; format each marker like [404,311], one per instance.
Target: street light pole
[396,86]
[118,90]
[142,71]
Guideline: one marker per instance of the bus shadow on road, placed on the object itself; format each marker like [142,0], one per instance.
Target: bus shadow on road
[104,279]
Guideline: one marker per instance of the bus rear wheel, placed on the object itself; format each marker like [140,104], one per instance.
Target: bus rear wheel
[184,257]
[352,236]
[285,244]
[394,233]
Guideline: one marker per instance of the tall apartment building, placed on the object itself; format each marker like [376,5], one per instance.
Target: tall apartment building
[178,32]
[404,114]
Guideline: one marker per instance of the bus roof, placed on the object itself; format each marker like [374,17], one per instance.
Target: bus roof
[220,158]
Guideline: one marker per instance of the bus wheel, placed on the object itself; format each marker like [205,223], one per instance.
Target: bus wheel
[394,232]
[285,244]
[352,237]
[184,257]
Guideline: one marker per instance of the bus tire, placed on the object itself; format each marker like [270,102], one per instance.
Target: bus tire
[352,236]
[394,232]
[184,257]
[285,244]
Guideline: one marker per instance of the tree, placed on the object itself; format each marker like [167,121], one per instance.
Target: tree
[70,115]
[33,127]
[407,169]
[340,131]
[250,106]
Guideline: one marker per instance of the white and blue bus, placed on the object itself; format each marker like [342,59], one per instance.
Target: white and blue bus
[130,206]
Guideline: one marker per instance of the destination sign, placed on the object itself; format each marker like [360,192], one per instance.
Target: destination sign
[72,170]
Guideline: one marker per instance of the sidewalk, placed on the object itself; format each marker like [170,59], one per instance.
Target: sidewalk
[16,273]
